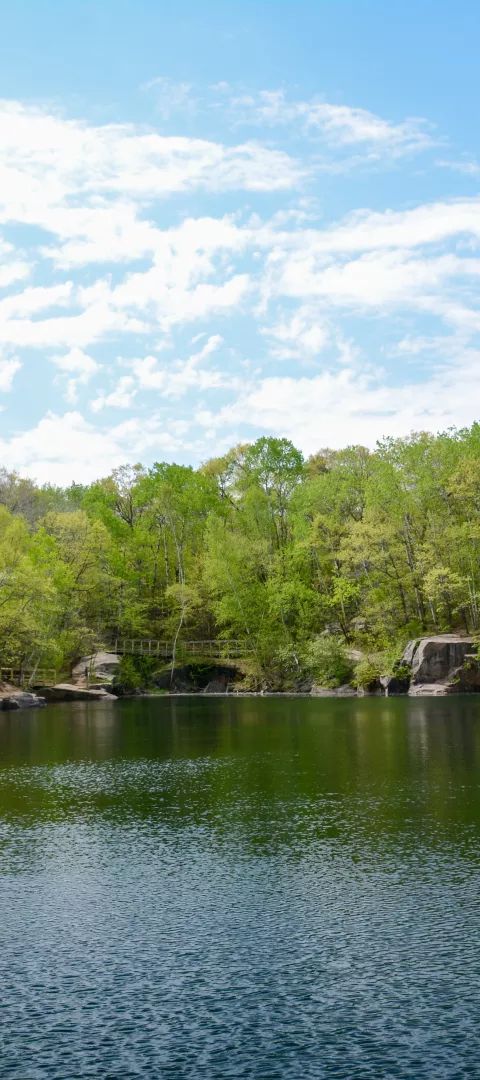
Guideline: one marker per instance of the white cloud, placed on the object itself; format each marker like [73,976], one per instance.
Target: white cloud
[50,159]
[341,125]
[341,407]
[61,449]
[78,362]
[377,279]
[12,266]
[175,380]
[429,223]
[8,370]
[304,334]
[105,257]
[178,303]
[32,300]
[81,366]
[119,398]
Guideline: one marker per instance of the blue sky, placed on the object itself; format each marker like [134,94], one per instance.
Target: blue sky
[224,219]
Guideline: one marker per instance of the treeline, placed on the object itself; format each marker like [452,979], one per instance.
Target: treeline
[352,549]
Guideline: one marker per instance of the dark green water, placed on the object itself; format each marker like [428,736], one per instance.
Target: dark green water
[256,888]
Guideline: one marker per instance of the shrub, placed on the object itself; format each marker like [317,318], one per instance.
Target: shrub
[326,660]
[133,673]
[367,672]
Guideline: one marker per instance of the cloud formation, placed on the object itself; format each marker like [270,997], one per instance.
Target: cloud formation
[183,292]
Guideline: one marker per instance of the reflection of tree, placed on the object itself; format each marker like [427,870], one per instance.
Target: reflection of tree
[266,773]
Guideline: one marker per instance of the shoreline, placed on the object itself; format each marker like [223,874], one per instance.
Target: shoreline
[294,694]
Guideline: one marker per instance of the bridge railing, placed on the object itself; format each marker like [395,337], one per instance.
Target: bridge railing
[151,647]
[29,676]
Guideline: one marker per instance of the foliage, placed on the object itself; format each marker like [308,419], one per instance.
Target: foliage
[134,673]
[367,672]
[326,660]
[298,561]
[128,678]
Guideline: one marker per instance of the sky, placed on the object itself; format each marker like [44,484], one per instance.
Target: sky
[232,218]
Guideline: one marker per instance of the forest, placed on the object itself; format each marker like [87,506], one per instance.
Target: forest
[325,566]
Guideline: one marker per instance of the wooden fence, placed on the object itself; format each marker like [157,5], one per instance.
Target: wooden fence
[28,676]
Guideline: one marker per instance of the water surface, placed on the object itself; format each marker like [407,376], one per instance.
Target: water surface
[261,888]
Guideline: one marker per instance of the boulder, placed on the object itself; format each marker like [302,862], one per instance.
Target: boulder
[465,679]
[336,691]
[438,659]
[100,667]
[70,692]
[21,699]
[429,689]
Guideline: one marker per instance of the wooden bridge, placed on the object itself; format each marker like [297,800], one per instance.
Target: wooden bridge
[221,650]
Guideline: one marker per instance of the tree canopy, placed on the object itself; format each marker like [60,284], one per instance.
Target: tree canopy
[369,547]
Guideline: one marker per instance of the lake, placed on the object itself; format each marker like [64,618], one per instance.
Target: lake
[222,888]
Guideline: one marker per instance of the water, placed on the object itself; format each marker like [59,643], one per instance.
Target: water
[257,888]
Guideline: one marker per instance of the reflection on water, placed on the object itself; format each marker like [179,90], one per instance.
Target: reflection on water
[265,888]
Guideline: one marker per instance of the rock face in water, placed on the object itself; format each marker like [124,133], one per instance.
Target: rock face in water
[21,699]
[443,664]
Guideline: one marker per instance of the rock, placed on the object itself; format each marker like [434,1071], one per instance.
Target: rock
[446,659]
[197,678]
[439,665]
[354,655]
[216,686]
[393,685]
[465,679]
[21,699]
[335,691]
[429,689]
[70,692]
[99,668]
[434,659]
[409,652]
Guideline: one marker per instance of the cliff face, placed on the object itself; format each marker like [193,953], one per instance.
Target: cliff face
[444,664]
[435,659]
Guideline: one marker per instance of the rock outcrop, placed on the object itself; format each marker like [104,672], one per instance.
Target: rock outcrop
[338,691]
[196,678]
[20,699]
[100,667]
[70,692]
[431,689]
[434,659]
[438,665]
